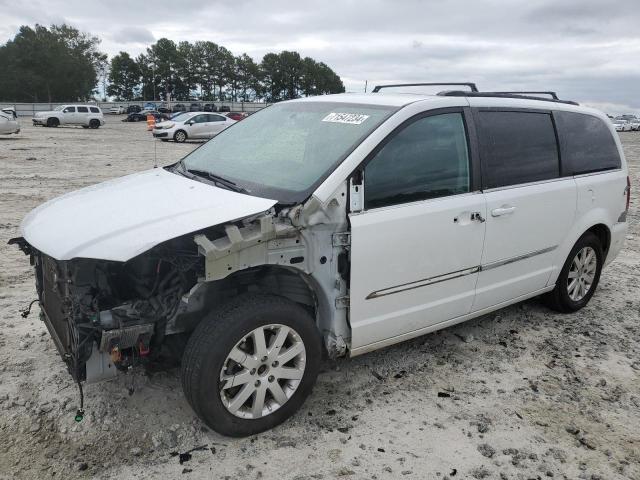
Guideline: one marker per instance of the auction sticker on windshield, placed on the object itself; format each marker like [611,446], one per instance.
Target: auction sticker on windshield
[350,118]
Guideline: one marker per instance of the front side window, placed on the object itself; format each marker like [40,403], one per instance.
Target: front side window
[69,110]
[284,151]
[517,147]
[199,119]
[427,159]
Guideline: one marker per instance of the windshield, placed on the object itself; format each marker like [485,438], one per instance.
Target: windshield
[59,107]
[181,117]
[285,150]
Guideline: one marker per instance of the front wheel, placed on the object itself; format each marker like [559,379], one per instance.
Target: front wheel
[251,364]
[579,276]
[180,136]
[53,122]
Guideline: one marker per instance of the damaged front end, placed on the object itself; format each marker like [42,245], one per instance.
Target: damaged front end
[105,315]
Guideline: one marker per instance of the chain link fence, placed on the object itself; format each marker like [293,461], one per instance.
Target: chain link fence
[30,109]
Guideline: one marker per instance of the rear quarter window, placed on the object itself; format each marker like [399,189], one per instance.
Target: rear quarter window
[586,143]
[96,109]
[517,147]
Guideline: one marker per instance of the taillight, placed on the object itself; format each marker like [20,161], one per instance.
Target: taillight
[628,193]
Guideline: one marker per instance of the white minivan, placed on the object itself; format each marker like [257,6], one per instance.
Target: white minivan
[87,116]
[332,225]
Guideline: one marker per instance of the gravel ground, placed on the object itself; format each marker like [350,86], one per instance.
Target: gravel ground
[523,393]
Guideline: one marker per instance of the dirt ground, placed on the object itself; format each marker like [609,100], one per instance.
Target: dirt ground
[523,393]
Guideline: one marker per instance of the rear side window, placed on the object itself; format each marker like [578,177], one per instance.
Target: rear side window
[517,147]
[83,110]
[586,143]
[96,109]
[426,159]
[216,118]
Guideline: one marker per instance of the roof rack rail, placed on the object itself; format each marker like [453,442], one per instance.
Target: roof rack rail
[472,86]
[553,95]
[520,95]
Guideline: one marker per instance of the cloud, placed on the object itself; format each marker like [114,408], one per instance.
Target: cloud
[587,50]
[127,35]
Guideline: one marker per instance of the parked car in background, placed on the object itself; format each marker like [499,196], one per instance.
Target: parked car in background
[117,110]
[633,121]
[133,109]
[195,107]
[210,107]
[178,107]
[621,125]
[87,116]
[141,116]
[10,111]
[149,106]
[224,108]
[237,116]
[8,122]
[195,125]
[164,109]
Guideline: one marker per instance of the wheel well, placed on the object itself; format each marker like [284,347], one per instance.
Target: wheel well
[273,280]
[604,235]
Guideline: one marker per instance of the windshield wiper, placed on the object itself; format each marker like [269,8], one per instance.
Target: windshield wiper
[217,179]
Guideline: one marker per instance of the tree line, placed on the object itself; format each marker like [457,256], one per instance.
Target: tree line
[60,63]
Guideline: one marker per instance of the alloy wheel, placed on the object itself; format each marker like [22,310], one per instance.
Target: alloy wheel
[582,273]
[262,371]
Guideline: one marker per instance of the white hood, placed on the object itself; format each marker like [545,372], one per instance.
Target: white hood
[124,217]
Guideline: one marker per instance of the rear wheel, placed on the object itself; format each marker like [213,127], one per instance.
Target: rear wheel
[53,122]
[94,123]
[579,276]
[180,136]
[251,364]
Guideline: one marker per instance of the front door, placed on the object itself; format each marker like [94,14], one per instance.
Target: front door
[68,116]
[198,127]
[417,243]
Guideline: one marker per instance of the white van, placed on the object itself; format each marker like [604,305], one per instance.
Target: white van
[87,116]
[336,224]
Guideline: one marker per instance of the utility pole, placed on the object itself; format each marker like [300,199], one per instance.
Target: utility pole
[365,85]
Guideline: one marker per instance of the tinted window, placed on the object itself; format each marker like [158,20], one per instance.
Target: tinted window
[517,147]
[96,109]
[216,118]
[83,110]
[426,159]
[69,110]
[200,119]
[586,142]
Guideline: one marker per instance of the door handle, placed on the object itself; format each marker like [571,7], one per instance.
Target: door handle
[504,210]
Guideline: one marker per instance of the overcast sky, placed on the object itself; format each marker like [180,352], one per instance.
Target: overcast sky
[586,50]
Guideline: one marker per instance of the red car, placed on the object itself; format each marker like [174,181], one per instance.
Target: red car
[237,116]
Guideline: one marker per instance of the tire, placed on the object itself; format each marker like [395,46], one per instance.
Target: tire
[562,298]
[84,126]
[180,136]
[208,353]
[53,122]
[94,123]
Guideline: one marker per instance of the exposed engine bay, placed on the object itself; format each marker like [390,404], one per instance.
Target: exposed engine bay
[107,316]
